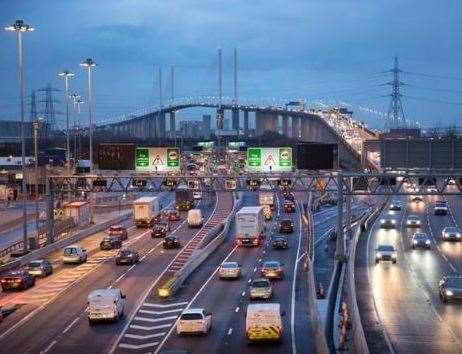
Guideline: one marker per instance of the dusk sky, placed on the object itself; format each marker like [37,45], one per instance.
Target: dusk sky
[329,52]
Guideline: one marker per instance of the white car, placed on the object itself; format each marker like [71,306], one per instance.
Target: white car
[105,304]
[385,253]
[74,254]
[197,195]
[387,223]
[229,270]
[451,233]
[440,208]
[413,221]
[194,320]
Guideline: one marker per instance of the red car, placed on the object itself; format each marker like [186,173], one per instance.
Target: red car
[119,231]
[172,215]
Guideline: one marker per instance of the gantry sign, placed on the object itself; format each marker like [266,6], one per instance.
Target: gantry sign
[346,183]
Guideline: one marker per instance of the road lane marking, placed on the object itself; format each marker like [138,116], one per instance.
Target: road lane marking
[47,349]
[194,298]
[236,309]
[255,269]
[249,281]
[160,312]
[230,331]
[70,326]
[154,320]
[147,304]
[141,346]
[243,293]
[148,336]
[151,328]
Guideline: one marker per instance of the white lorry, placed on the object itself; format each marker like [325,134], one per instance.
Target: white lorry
[146,211]
[266,196]
[250,226]
[195,218]
[105,305]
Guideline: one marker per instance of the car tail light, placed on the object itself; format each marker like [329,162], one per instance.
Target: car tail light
[3,281]
[256,241]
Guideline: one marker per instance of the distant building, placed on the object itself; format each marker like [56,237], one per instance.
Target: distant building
[191,129]
[206,125]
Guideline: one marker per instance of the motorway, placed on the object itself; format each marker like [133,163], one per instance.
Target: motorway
[58,324]
[399,303]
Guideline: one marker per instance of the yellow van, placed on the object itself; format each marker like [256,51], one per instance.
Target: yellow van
[263,322]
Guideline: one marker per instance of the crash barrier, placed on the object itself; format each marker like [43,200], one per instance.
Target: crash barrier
[331,301]
[320,343]
[15,222]
[79,235]
[61,229]
[199,255]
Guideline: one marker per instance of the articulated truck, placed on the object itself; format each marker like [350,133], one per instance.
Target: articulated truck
[266,196]
[146,210]
[250,226]
[184,198]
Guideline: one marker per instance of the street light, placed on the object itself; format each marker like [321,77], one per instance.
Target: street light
[66,75]
[89,64]
[77,99]
[20,27]
[36,126]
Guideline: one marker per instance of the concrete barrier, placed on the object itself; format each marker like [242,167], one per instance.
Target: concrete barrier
[199,255]
[79,235]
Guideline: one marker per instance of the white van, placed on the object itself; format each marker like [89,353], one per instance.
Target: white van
[194,321]
[105,304]
[195,218]
[263,322]
[74,254]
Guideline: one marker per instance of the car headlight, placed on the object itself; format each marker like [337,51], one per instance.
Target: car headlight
[449,293]
[414,242]
[458,235]
[393,221]
[379,255]
[393,255]
[382,221]
[427,242]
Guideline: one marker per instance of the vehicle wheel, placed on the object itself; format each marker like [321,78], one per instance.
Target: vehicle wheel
[444,299]
[51,271]
[377,261]
[33,281]
[413,247]
[394,262]
[90,322]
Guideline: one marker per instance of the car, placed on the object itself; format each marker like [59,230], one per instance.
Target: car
[159,230]
[450,288]
[289,206]
[286,226]
[413,221]
[289,196]
[432,189]
[194,320]
[127,256]
[420,239]
[440,208]
[279,242]
[119,231]
[387,223]
[267,213]
[417,198]
[171,242]
[260,288]
[395,205]
[229,270]
[172,215]
[385,253]
[197,195]
[451,182]
[451,233]
[105,305]
[17,280]
[272,269]
[110,243]
[74,254]
[39,268]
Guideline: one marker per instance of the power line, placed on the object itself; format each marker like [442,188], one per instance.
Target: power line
[434,100]
[433,76]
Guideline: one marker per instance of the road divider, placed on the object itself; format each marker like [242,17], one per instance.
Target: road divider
[215,237]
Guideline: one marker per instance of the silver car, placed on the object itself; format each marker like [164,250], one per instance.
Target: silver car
[261,288]
[387,223]
[451,233]
[413,221]
[229,270]
[420,239]
[385,253]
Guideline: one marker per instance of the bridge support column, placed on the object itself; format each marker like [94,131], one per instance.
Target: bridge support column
[296,121]
[285,125]
[172,124]
[270,122]
[235,119]
[259,117]
[161,125]
[246,123]
[220,118]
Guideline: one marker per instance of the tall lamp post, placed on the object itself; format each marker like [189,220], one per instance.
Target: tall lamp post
[36,126]
[66,75]
[88,64]
[20,27]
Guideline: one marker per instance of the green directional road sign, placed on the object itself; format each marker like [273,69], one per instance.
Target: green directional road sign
[173,157]
[269,159]
[254,158]
[285,157]
[142,158]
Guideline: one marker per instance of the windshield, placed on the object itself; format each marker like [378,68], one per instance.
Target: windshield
[386,248]
[116,229]
[124,253]
[260,284]
[34,264]
[191,316]
[420,236]
[271,264]
[229,265]
[452,229]
[440,203]
[70,251]
[454,282]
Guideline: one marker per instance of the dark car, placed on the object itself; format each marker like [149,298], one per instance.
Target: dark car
[272,269]
[450,288]
[289,196]
[289,207]
[39,268]
[17,280]
[171,242]
[279,242]
[420,240]
[395,205]
[286,226]
[127,256]
[159,230]
[110,243]
[172,215]
[119,231]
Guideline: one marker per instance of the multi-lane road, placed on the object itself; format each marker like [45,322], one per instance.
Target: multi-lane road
[399,303]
